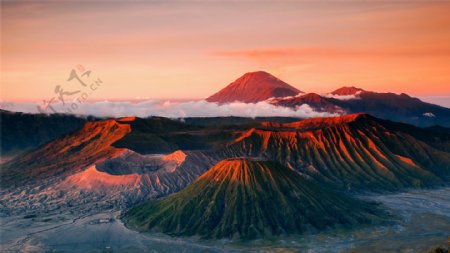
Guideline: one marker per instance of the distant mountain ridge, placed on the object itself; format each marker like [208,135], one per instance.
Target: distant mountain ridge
[252,88]
[346,91]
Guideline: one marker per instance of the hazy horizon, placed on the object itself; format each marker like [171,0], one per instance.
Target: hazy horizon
[179,50]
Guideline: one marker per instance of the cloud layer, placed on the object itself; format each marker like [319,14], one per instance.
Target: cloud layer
[172,109]
[341,97]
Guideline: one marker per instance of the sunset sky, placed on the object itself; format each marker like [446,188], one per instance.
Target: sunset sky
[190,50]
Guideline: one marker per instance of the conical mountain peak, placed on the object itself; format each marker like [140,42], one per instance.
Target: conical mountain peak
[241,198]
[253,87]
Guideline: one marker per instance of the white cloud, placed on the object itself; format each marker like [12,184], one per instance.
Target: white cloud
[274,99]
[429,114]
[343,97]
[172,109]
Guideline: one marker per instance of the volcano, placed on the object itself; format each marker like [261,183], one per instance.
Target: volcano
[246,198]
[122,162]
[68,154]
[355,151]
[253,87]
[121,147]
[259,86]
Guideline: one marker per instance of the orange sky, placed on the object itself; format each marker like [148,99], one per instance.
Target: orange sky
[191,50]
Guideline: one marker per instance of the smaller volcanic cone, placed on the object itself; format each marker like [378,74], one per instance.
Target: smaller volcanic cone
[243,198]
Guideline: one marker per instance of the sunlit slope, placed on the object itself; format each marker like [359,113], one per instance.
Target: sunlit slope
[241,198]
[253,87]
[67,155]
[353,151]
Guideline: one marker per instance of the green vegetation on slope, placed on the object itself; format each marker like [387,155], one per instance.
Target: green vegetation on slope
[241,198]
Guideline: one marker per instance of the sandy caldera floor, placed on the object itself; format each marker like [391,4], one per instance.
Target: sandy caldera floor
[423,221]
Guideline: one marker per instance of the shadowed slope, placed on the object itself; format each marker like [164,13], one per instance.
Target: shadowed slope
[315,101]
[21,132]
[391,106]
[241,198]
[397,107]
[103,140]
[67,155]
[156,135]
[353,151]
